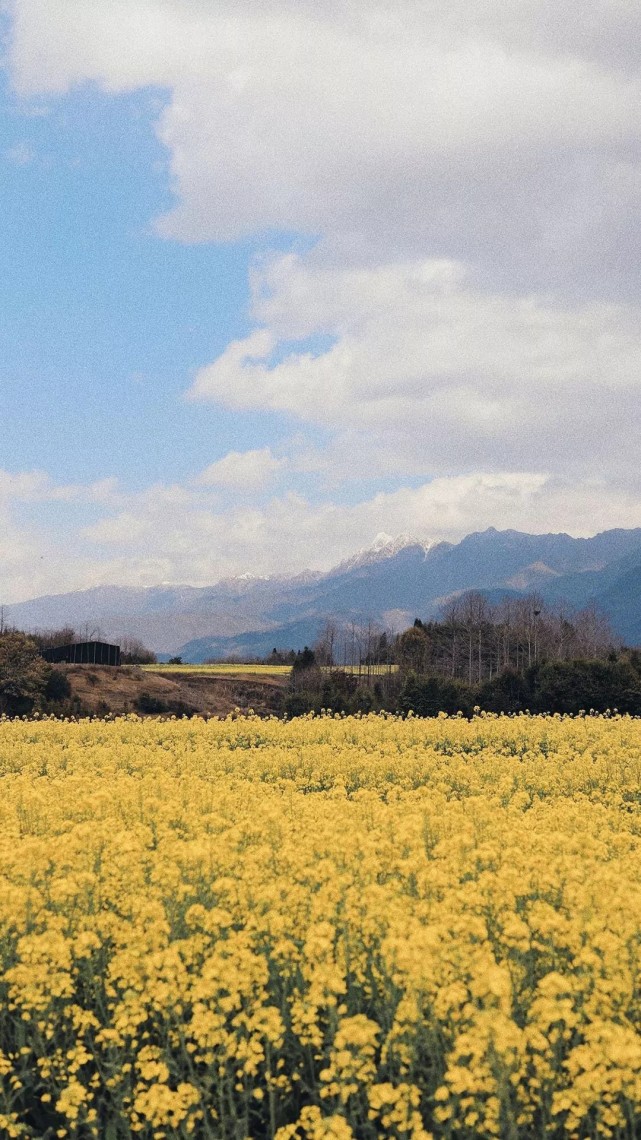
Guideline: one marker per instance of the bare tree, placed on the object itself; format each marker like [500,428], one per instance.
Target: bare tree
[593,632]
[325,646]
[474,616]
[133,652]
[453,621]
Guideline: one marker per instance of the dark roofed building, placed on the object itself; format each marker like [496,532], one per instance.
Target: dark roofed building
[83,653]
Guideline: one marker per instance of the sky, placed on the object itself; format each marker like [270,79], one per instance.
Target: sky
[279,276]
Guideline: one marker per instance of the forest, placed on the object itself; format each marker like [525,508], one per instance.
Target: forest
[511,656]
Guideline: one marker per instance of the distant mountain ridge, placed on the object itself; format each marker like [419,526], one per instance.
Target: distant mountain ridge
[392,582]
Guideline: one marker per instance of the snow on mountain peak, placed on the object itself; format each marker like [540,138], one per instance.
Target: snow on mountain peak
[382,539]
[383,546]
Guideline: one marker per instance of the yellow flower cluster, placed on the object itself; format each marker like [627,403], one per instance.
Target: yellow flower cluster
[344,928]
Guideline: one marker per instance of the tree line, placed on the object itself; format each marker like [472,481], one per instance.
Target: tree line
[510,656]
[475,640]
[472,640]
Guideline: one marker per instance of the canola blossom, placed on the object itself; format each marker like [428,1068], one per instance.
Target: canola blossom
[229,669]
[325,929]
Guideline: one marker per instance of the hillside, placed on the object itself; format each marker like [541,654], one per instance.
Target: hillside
[101,690]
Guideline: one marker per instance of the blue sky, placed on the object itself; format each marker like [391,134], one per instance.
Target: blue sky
[279,278]
[103,322]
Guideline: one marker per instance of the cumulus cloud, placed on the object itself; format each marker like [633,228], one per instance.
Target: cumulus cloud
[504,134]
[33,559]
[242,470]
[39,487]
[430,374]
[473,168]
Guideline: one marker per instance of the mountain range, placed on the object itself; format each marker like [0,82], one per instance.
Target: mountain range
[390,583]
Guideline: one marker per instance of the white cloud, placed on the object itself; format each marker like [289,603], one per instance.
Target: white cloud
[429,374]
[39,487]
[483,130]
[22,154]
[34,559]
[242,470]
[473,168]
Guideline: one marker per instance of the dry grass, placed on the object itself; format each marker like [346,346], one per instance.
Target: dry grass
[101,690]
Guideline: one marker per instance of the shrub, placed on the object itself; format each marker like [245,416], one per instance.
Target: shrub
[57,687]
[23,674]
[428,696]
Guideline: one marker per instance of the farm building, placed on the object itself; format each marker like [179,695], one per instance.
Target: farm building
[83,653]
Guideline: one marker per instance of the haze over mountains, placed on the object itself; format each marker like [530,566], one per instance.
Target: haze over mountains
[391,583]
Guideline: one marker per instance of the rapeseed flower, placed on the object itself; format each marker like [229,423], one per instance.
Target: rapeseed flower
[333,928]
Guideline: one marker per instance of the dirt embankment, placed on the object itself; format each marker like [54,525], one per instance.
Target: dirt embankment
[101,690]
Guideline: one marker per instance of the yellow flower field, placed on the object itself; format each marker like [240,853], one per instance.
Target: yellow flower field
[220,670]
[328,928]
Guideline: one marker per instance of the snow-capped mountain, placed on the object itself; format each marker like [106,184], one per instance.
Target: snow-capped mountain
[383,546]
[391,582]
